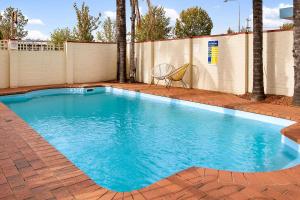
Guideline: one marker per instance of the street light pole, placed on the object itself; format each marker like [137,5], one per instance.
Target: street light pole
[239,16]
[239,12]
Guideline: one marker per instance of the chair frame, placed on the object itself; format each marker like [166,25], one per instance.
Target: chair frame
[162,77]
[170,81]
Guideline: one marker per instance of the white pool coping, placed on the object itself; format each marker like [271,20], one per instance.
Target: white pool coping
[227,111]
[117,91]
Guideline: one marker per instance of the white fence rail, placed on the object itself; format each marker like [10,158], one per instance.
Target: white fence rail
[38,46]
[3,44]
[32,46]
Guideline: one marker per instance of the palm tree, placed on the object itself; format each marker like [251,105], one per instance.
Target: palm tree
[121,40]
[258,93]
[118,43]
[134,10]
[135,19]
[296,98]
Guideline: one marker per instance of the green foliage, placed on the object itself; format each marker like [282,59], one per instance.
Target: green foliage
[5,24]
[1,35]
[154,25]
[86,23]
[108,31]
[230,31]
[245,30]
[287,26]
[193,22]
[60,35]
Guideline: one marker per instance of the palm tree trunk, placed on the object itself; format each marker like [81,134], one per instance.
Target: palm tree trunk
[118,60]
[121,22]
[296,99]
[258,93]
[132,47]
[118,43]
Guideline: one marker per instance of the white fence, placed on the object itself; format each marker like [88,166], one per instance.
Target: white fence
[233,71]
[40,63]
[3,44]
[38,46]
[44,63]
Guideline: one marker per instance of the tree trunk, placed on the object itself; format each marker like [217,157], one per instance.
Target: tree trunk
[121,21]
[118,42]
[132,47]
[296,99]
[118,60]
[258,93]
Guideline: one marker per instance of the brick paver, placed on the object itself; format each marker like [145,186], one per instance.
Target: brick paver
[30,168]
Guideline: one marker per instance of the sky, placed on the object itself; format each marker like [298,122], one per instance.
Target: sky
[46,15]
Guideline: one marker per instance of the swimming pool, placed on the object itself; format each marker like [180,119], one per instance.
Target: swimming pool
[127,140]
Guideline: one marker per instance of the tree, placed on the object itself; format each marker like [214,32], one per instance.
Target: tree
[60,35]
[133,4]
[258,93]
[230,31]
[296,97]
[7,24]
[287,26]
[134,12]
[108,32]
[1,35]
[154,25]
[245,30]
[135,19]
[86,23]
[121,39]
[193,22]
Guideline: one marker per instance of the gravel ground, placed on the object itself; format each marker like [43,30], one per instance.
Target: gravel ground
[273,99]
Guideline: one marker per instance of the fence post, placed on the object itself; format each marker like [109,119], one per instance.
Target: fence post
[152,56]
[247,62]
[191,55]
[4,64]
[13,63]
[69,57]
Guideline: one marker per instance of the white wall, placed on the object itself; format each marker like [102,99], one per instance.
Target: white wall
[94,62]
[174,52]
[233,73]
[278,62]
[145,62]
[31,68]
[78,63]
[4,69]
[229,74]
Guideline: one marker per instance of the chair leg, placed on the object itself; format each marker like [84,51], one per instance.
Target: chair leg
[152,81]
[184,84]
[166,82]
[157,82]
[169,84]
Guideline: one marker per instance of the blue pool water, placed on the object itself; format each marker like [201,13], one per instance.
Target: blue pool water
[125,142]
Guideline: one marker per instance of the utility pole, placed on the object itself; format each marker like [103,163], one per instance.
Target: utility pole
[239,4]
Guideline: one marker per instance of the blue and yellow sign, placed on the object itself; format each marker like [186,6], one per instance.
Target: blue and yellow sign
[213,52]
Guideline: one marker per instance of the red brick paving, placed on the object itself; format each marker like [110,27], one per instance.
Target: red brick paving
[30,168]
